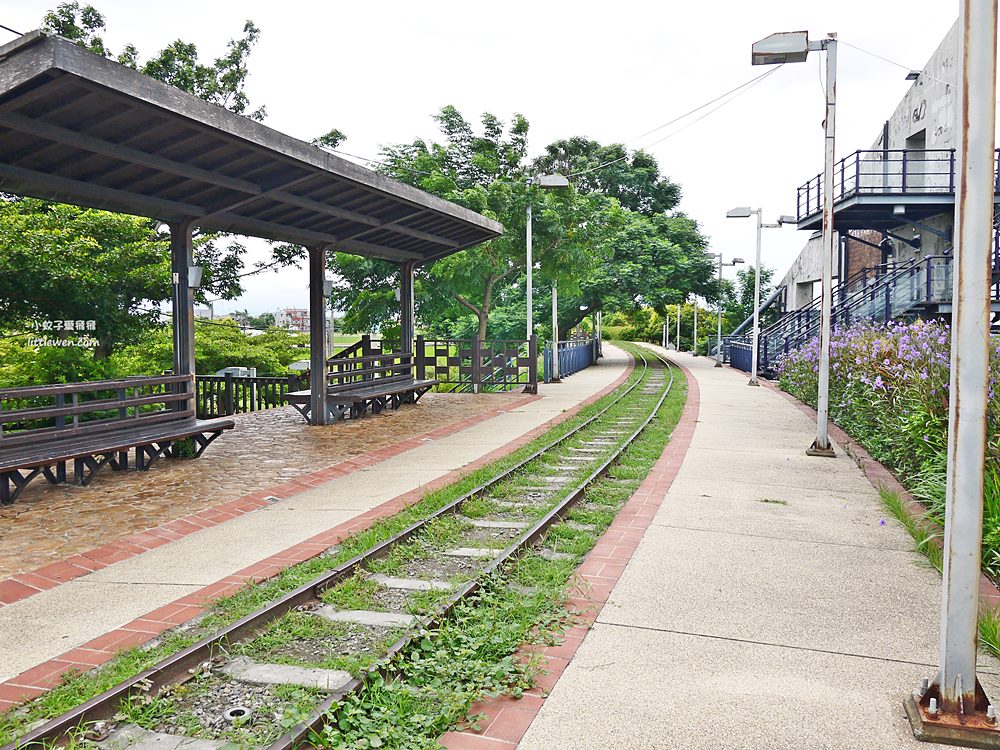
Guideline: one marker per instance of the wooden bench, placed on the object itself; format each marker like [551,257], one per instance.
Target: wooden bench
[357,385]
[95,424]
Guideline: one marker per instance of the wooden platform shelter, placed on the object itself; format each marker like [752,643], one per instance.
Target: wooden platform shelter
[79,128]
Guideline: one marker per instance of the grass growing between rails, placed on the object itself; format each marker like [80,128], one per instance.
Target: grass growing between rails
[79,687]
[470,657]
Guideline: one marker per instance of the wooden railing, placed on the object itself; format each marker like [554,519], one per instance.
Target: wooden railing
[35,413]
[225,395]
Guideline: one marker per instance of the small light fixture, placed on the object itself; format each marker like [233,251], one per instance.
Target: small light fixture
[743,212]
[194,276]
[737,261]
[327,287]
[913,75]
[898,210]
[786,219]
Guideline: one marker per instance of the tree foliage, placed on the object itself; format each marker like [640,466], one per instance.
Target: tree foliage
[63,262]
[221,82]
[633,179]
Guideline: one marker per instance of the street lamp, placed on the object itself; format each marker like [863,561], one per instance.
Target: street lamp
[745,212]
[546,182]
[793,47]
[718,332]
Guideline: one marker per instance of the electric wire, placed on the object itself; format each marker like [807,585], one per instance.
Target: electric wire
[733,94]
[8,28]
[877,56]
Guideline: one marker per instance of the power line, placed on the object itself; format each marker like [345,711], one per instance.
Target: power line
[8,28]
[701,107]
[877,56]
[714,109]
[738,91]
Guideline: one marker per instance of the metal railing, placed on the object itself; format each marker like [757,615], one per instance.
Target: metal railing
[893,172]
[894,292]
[574,355]
[740,354]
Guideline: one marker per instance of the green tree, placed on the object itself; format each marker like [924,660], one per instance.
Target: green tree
[486,173]
[633,179]
[737,302]
[68,263]
[221,82]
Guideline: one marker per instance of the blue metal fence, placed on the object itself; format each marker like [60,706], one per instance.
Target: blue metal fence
[741,355]
[573,356]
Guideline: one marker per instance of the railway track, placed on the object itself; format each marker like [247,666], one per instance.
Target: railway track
[365,611]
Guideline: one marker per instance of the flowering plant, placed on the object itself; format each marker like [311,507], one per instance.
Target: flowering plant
[889,388]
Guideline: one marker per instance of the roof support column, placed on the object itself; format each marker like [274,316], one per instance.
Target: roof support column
[182,303]
[317,336]
[407,330]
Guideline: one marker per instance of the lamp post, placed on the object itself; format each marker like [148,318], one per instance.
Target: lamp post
[745,212]
[694,341]
[546,182]
[793,47]
[718,332]
[678,327]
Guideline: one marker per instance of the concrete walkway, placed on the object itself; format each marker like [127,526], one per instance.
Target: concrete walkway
[59,620]
[771,603]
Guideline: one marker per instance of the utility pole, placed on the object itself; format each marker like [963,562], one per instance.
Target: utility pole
[954,708]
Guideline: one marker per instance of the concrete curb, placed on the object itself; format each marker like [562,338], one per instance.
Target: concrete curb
[507,718]
[47,675]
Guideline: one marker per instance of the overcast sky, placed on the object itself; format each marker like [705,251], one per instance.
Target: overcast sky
[608,71]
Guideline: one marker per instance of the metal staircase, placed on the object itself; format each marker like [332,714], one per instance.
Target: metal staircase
[919,288]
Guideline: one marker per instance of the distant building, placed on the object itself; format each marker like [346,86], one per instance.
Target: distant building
[294,319]
[894,201]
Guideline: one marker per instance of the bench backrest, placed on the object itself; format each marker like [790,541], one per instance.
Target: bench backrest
[35,414]
[377,369]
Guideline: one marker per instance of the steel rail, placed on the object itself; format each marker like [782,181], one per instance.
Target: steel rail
[299,735]
[177,666]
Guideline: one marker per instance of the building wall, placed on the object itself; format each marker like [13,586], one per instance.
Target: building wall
[925,117]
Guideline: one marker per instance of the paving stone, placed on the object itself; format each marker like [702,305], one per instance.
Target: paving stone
[136,738]
[267,448]
[473,552]
[246,670]
[482,524]
[365,617]
[412,584]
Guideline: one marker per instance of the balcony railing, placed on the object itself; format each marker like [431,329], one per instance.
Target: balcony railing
[893,172]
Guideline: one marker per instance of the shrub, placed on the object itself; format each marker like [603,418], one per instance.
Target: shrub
[889,391]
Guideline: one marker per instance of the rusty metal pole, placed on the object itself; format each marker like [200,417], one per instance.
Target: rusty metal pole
[954,708]
[821,446]
[976,105]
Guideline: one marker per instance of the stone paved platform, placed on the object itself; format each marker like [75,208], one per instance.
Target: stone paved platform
[125,601]
[53,522]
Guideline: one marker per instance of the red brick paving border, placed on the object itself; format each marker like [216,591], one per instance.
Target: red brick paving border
[45,676]
[23,585]
[880,477]
[507,719]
